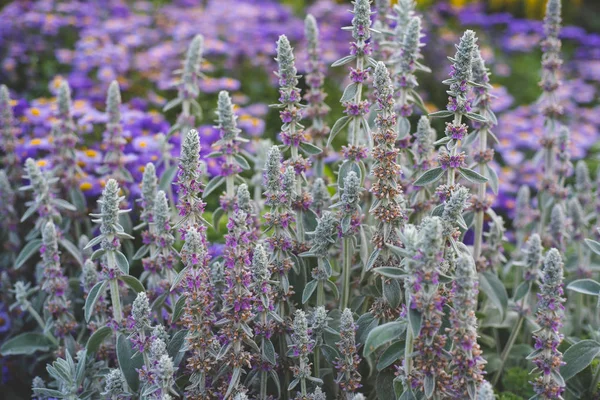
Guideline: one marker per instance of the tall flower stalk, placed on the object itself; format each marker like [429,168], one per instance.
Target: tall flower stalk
[467,362]
[189,183]
[388,207]
[459,106]
[347,365]
[292,134]
[356,109]
[9,222]
[316,109]
[238,298]
[114,157]
[550,106]
[482,102]
[324,237]
[8,135]
[114,263]
[350,215]
[424,363]
[55,284]
[229,146]
[263,326]
[301,347]
[188,89]
[406,63]
[65,140]
[548,383]
[198,314]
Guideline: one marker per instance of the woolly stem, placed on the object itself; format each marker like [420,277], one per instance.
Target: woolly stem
[346,270]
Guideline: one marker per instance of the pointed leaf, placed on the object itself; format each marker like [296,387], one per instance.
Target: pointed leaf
[578,357]
[25,344]
[133,283]
[310,149]
[491,285]
[212,185]
[92,299]
[337,127]
[472,176]
[94,342]
[585,286]
[382,335]
[28,251]
[129,363]
[308,290]
[430,176]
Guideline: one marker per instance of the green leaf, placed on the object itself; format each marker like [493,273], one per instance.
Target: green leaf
[26,344]
[269,351]
[333,287]
[441,114]
[129,363]
[310,149]
[166,180]
[241,161]
[415,318]
[372,259]
[390,355]
[78,199]
[476,117]
[493,178]
[593,245]
[390,272]
[133,283]
[212,185]
[65,205]
[344,60]
[172,104]
[142,251]
[349,92]
[308,291]
[216,217]
[490,284]
[392,292]
[430,176]
[179,277]
[122,262]
[72,249]
[403,127]
[521,290]
[178,309]
[382,335]
[175,345]
[337,127]
[28,251]
[585,286]
[472,176]
[92,298]
[94,342]
[578,357]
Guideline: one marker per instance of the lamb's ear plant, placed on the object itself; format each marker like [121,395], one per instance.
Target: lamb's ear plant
[47,206]
[293,135]
[114,157]
[65,141]
[8,134]
[356,109]
[550,107]
[9,221]
[316,109]
[228,146]
[188,89]
[115,266]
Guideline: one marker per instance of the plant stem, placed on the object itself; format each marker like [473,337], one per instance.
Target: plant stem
[481,197]
[116,300]
[507,348]
[41,323]
[346,270]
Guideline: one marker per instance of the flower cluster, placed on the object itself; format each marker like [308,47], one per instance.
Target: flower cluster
[546,357]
